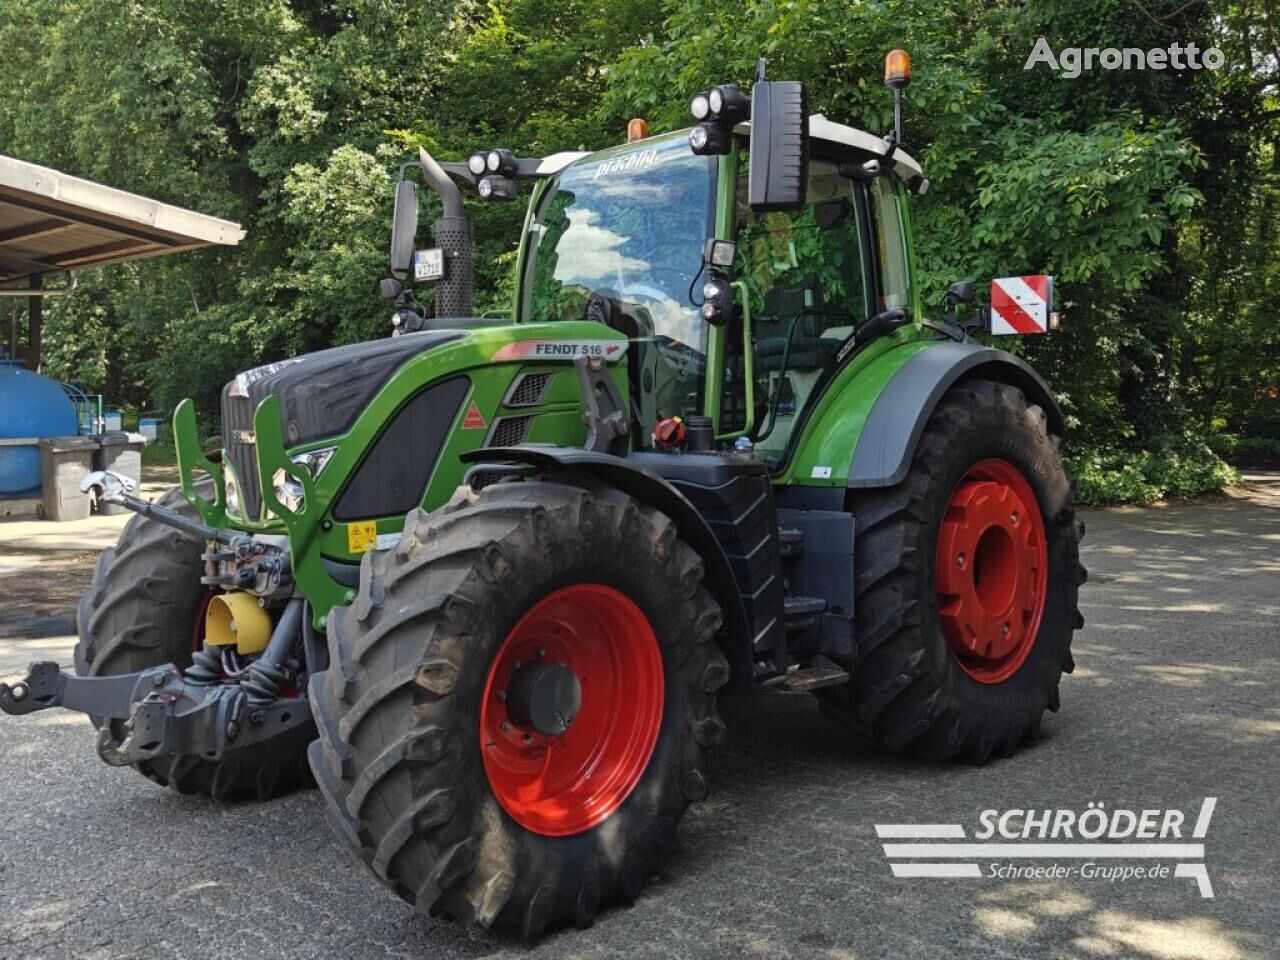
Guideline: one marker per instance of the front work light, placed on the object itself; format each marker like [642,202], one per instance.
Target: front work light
[502,162]
[708,138]
[717,300]
[700,107]
[476,163]
[495,187]
[719,253]
[727,104]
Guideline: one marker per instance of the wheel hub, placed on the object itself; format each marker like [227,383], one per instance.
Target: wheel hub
[991,570]
[544,697]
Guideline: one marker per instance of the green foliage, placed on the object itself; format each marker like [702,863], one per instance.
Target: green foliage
[1176,468]
[1153,196]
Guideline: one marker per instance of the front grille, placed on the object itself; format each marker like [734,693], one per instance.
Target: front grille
[529,389]
[508,431]
[237,427]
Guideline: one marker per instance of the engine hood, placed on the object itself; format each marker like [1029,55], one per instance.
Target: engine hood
[322,393]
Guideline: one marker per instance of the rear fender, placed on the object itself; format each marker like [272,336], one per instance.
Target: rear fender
[887,442]
[649,488]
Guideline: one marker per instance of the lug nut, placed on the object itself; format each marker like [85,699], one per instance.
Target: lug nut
[506,725]
[502,694]
[960,561]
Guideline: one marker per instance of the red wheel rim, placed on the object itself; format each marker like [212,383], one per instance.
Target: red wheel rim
[992,567]
[558,785]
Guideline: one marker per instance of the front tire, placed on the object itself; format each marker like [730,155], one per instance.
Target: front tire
[447,788]
[967,581]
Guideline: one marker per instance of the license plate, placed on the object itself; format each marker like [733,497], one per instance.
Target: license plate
[428,265]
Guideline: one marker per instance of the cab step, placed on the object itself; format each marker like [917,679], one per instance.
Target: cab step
[821,672]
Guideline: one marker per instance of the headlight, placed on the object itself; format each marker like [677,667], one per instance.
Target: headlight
[231,492]
[288,490]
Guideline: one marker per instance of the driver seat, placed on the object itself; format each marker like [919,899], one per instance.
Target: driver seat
[809,349]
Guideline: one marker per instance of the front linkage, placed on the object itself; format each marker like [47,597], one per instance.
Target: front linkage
[165,713]
[164,710]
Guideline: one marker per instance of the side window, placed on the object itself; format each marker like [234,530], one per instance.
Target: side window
[806,290]
[895,279]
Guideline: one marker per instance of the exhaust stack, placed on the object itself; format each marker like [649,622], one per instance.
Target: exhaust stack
[452,234]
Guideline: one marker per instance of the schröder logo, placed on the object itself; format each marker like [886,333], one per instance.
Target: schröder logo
[1070,62]
[1095,843]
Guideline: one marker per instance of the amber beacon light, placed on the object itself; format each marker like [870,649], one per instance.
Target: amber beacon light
[897,69]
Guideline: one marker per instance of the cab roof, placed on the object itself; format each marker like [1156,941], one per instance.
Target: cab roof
[820,128]
[840,135]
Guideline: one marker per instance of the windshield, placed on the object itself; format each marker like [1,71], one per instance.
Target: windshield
[620,240]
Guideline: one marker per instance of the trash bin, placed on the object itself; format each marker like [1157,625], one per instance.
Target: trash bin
[63,463]
[120,453]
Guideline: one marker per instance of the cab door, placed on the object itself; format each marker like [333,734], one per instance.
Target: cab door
[805,279]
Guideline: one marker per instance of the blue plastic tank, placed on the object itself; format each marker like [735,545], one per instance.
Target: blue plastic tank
[30,406]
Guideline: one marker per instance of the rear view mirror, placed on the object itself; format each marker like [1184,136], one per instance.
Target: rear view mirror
[404,226]
[779,145]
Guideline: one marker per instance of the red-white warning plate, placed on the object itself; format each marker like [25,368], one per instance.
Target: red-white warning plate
[1021,305]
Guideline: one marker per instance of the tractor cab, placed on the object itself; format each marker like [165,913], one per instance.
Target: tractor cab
[734,312]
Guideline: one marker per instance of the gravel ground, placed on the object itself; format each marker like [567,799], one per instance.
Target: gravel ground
[1174,699]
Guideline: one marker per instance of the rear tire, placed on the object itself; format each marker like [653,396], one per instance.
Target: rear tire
[141,612]
[914,687]
[416,662]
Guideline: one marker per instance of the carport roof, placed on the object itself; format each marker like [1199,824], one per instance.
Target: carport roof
[51,222]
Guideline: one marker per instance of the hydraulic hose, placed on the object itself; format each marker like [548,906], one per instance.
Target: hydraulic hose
[265,676]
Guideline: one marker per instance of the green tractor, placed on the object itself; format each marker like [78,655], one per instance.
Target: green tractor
[483,579]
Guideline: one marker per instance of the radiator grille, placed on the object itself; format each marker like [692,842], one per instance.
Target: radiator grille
[509,431]
[237,427]
[529,389]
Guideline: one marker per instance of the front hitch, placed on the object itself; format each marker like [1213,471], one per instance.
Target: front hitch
[164,713]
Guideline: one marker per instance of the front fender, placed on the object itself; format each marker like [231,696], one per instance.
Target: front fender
[649,488]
